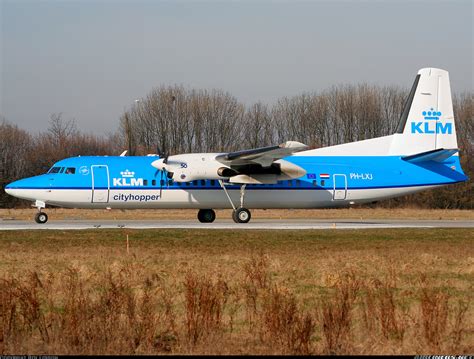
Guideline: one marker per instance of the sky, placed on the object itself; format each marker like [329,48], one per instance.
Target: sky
[91,59]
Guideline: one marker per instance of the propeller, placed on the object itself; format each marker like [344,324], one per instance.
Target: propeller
[161,179]
[162,154]
[160,165]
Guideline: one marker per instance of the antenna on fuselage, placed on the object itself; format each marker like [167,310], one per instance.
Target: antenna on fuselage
[123,153]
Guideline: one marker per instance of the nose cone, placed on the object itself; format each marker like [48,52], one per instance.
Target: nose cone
[8,188]
[11,188]
[20,188]
[158,164]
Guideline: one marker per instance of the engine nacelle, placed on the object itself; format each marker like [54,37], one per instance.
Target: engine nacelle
[199,166]
[280,170]
[194,166]
[226,172]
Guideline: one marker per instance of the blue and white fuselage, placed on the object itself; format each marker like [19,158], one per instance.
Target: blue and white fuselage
[422,154]
[330,181]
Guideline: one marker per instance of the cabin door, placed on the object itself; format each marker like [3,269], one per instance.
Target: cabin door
[340,187]
[100,184]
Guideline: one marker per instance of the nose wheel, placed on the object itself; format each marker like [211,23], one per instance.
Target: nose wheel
[41,217]
[206,215]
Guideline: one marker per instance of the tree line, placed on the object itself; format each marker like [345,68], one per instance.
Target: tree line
[175,120]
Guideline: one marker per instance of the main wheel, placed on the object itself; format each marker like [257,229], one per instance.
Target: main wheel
[241,215]
[206,215]
[41,217]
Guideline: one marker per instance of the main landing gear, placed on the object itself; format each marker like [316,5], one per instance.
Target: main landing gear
[206,215]
[40,217]
[240,214]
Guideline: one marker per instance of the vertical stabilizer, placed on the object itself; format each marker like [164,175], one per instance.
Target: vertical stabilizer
[427,122]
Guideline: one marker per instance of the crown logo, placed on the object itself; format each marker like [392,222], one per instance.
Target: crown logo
[127,173]
[431,115]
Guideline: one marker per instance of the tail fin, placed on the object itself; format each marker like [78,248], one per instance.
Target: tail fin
[427,121]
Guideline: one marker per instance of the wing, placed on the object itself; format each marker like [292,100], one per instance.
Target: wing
[264,156]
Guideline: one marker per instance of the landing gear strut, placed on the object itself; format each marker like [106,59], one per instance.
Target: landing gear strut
[40,217]
[206,215]
[240,214]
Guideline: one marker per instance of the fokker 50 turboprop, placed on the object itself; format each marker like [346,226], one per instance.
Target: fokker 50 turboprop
[422,154]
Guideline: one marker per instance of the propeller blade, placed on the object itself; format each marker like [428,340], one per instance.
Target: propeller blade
[161,184]
[159,164]
[163,154]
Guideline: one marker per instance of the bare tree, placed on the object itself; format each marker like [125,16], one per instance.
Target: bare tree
[15,144]
[61,130]
[257,127]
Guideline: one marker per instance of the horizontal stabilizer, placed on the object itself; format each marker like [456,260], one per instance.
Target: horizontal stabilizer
[438,155]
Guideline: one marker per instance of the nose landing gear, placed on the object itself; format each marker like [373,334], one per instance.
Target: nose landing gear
[40,217]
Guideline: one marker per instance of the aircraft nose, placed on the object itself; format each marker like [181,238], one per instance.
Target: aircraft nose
[11,187]
[16,188]
[8,189]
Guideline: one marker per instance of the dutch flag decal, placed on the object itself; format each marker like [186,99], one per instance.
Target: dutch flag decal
[324,175]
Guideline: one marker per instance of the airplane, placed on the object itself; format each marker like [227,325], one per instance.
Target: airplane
[421,154]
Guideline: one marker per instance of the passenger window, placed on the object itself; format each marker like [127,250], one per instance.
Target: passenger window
[203,182]
[290,183]
[153,182]
[315,183]
[162,183]
[322,182]
[145,182]
[170,182]
[188,184]
[195,182]
[298,182]
[213,182]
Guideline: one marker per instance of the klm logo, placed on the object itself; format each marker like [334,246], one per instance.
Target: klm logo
[431,125]
[127,180]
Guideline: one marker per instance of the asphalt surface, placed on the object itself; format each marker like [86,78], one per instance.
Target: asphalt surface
[266,224]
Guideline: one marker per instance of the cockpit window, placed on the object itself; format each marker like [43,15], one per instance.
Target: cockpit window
[54,170]
[65,170]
